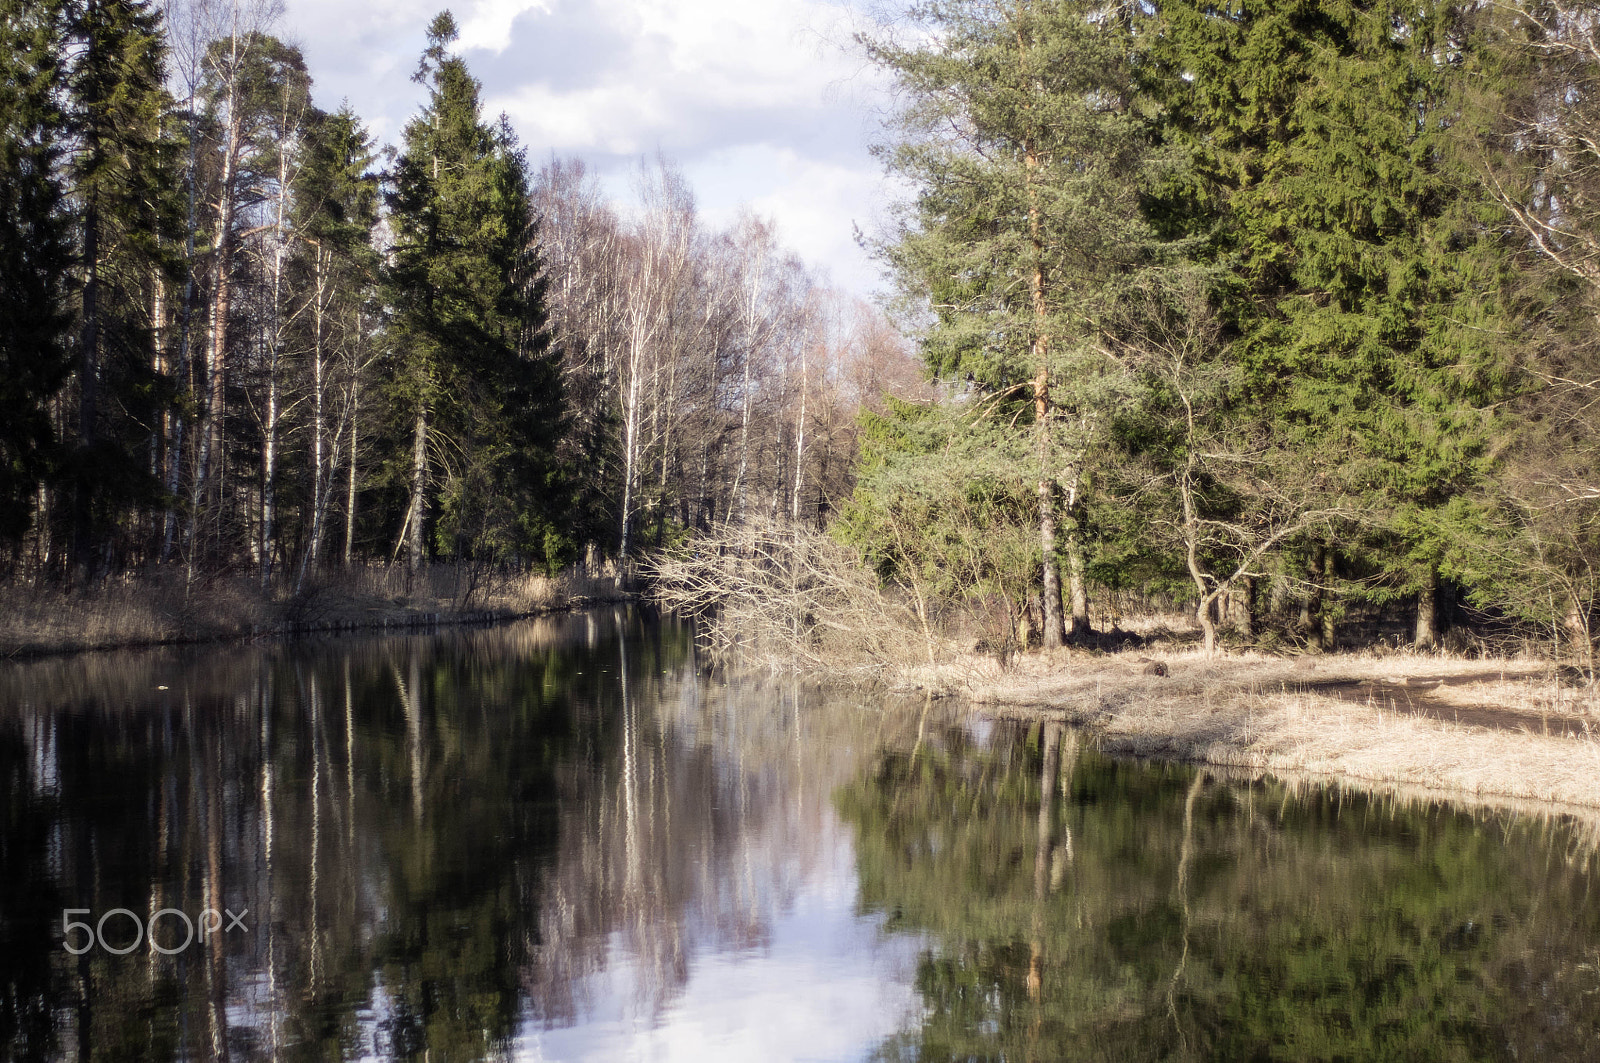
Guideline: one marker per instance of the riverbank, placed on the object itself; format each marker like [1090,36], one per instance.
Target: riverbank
[165,608]
[1497,728]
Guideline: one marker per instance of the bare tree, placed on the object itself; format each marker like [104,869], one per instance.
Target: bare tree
[713,377]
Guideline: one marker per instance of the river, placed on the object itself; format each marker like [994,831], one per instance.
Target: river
[566,839]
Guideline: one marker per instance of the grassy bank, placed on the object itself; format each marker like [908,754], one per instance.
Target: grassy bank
[1510,727]
[163,607]
[1490,728]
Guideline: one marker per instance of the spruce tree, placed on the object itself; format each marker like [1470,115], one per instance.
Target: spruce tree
[122,188]
[35,254]
[470,370]
[1364,306]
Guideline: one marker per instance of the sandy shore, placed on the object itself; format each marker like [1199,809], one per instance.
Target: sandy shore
[1481,728]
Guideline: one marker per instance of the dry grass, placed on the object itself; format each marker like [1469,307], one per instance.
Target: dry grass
[451,589]
[162,607]
[1493,729]
[1264,713]
[127,612]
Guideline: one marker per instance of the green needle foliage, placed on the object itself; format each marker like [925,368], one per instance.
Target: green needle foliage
[1367,266]
[1022,130]
[123,185]
[472,376]
[1022,136]
[35,254]
[1244,249]
[943,508]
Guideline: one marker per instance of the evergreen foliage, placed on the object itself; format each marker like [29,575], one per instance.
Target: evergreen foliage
[35,255]
[1023,134]
[1367,267]
[1284,318]
[943,507]
[471,362]
[122,177]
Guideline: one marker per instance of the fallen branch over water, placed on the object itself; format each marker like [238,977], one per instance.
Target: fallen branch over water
[790,596]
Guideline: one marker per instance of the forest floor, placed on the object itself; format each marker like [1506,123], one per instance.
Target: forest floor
[1491,728]
[165,608]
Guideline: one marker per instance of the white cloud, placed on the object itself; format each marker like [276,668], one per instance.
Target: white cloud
[750,97]
[487,24]
[827,984]
[817,204]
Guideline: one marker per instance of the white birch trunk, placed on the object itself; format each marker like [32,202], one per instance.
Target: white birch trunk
[800,440]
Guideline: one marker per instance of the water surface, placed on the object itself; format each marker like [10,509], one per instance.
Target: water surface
[562,840]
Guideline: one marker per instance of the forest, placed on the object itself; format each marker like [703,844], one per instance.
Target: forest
[241,337]
[1277,312]
[1284,310]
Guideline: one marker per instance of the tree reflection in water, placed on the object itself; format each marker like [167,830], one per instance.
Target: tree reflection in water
[1084,908]
[560,838]
[441,842]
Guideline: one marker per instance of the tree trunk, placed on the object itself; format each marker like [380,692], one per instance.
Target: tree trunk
[1023,625]
[1245,611]
[1206,614]
[1078,627]
[741,494]
[322,468]
[1054,631]
[169,518]
[1077,590]
[1427,633]
[632,413]
[1203,613]
[88,388]
[799,441]
[350,488]
[269,485]
[269,473]
[1311,607]
[1330,633]
[419,487]
[211,411]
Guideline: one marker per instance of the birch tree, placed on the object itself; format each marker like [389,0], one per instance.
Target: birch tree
[335,269]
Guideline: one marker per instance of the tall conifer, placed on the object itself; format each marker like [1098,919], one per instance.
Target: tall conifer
[471,370]
[1021,134]
[1365,302]
[122,186]
[35,253]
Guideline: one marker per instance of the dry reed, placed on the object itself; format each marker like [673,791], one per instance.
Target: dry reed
[159,607]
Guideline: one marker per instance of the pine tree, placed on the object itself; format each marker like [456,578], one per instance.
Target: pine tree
[470,369]
[252,89]
[1023,138]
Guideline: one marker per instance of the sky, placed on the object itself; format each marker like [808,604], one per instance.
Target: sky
[759,102]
